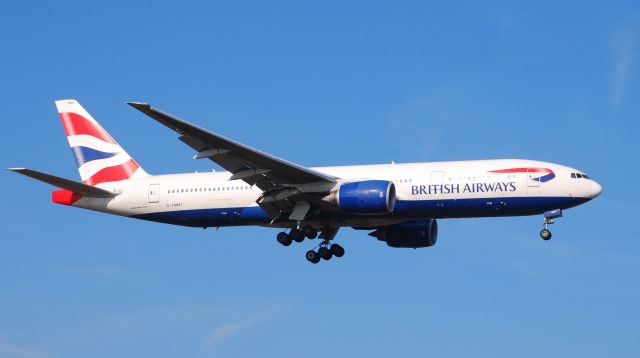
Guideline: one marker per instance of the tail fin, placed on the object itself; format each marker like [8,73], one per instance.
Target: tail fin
[99,157]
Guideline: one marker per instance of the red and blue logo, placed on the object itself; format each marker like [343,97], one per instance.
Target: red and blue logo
[541,175]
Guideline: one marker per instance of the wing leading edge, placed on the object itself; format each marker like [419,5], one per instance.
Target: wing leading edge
[281,181]
[245,163]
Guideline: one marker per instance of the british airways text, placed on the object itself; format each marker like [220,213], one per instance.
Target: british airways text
[467,188]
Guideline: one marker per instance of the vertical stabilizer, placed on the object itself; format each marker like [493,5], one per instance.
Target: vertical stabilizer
[99,157]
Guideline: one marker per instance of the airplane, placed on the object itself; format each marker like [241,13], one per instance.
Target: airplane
[398,204]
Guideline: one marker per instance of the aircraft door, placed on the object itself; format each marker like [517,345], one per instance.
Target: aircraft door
[154,193]
[533,178]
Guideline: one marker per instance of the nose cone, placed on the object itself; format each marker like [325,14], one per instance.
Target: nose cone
[596,189]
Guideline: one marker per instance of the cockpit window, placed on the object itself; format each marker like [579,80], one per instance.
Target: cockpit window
[579,176]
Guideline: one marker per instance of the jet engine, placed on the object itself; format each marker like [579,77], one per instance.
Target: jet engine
[413,234]
[368,197]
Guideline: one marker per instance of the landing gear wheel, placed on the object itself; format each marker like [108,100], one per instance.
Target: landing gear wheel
[313,257]
[325,253]
[545,234]
[337,250]
[296,235]
[310,232]
[284,238]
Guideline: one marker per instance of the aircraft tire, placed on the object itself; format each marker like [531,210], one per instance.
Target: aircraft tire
[325,253]
[545,234]
[310,232]
[337,250]
[296,235]
[313,257]
[284,238]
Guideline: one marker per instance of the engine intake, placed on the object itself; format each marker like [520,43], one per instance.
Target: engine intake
[369,197]
[413,234]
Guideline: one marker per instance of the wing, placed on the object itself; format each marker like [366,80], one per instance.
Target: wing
[279,179]
[246,163]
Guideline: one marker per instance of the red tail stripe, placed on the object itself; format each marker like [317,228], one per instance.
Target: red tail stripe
[75,124]
[523,170]
[115,173]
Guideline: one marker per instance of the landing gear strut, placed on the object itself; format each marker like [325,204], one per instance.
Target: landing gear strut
[545,233]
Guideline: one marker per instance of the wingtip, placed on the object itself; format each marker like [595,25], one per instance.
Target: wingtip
[139,105]
[16,169]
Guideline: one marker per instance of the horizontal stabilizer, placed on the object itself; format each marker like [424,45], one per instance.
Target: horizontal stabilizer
[63,183]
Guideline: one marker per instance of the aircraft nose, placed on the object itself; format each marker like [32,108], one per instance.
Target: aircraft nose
[596,189]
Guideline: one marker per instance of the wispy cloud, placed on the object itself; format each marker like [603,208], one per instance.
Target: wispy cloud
[168,320]
[11,350]
[229,330]
[625,46]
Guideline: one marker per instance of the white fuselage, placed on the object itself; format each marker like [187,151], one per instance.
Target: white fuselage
[423,190]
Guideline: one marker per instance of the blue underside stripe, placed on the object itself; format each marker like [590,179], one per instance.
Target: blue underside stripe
[437,209]
[86,154]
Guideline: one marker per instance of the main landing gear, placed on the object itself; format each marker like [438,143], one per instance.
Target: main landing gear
[297,235]
[325,250]
[545,233]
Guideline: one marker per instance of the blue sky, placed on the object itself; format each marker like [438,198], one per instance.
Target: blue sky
[323,83]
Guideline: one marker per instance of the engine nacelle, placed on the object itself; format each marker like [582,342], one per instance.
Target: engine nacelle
[412,234]
[369,197]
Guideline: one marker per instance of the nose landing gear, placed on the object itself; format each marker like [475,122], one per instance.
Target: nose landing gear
[545,233]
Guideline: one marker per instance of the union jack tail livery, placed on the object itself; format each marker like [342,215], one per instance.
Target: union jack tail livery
[99,157]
